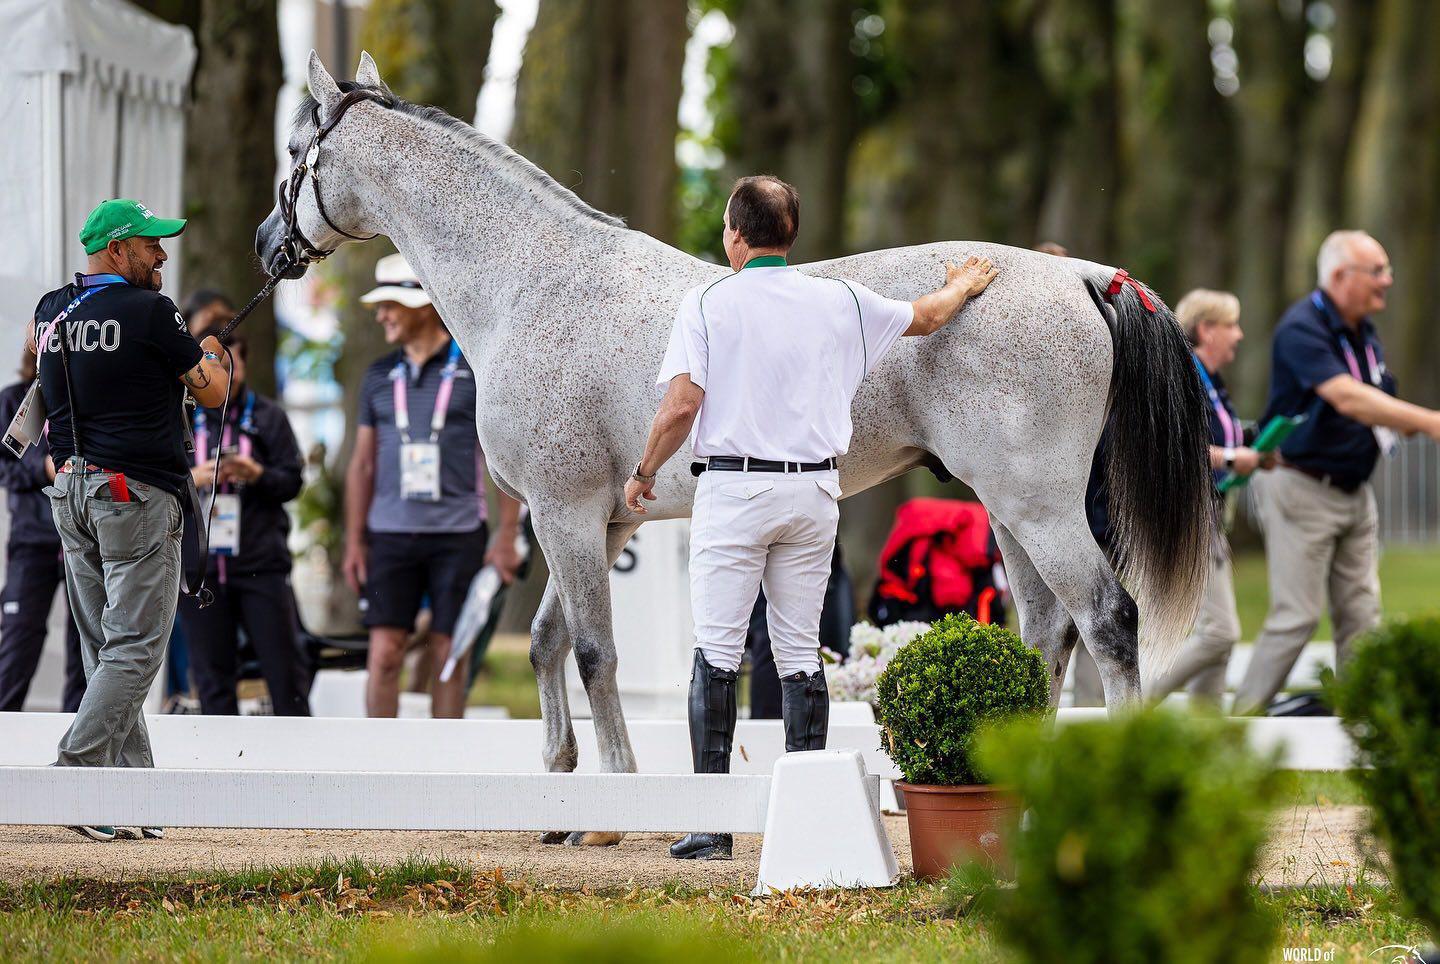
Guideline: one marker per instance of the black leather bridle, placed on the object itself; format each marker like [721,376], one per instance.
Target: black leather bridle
[297,249]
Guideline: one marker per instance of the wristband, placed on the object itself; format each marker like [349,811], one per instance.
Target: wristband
[1230,459]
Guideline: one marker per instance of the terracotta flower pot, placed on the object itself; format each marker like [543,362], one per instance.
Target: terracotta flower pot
[952,825]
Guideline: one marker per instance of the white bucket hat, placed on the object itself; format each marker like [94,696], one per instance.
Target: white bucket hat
[396,281]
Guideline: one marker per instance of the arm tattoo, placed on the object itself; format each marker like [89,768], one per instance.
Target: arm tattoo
[196,377]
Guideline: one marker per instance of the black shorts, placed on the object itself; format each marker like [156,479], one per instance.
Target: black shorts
[406,569]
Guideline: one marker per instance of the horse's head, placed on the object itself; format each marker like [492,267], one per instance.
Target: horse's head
[319,208]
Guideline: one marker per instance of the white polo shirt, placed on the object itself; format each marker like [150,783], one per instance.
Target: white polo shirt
[780,355]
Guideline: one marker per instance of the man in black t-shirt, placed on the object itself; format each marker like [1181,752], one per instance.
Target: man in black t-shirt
[115,360]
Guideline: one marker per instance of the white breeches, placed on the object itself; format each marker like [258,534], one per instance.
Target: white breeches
[754,529]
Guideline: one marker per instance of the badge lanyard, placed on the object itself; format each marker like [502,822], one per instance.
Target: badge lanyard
[1228,428]
[90,284]
[1351,362]
[399,382]
[1385,438]
[245,445]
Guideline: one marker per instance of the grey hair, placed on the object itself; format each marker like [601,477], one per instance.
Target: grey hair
[1334,254]
[1204,305]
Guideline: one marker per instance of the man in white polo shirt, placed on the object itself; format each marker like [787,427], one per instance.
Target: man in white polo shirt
[763,364]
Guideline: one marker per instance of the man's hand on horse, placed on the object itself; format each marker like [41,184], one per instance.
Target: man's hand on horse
[974,276]
[635,490]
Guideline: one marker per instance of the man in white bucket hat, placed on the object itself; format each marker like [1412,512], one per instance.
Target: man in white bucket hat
[415,519]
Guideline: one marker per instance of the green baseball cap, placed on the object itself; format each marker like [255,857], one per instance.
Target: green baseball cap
[122,218]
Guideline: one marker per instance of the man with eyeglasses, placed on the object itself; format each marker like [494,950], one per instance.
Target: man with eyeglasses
[1318,511]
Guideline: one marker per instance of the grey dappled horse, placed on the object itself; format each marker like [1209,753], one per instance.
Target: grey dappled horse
[564,314]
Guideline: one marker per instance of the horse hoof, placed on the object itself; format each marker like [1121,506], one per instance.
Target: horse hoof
[554,836]
[594,838]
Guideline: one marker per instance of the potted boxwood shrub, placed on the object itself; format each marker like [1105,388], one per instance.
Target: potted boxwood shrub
[931,701]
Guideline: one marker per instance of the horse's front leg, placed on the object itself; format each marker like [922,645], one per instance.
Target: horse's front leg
[580,552]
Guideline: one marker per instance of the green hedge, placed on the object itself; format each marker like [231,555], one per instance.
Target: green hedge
[1140,842]
[944,685]
[1388,696]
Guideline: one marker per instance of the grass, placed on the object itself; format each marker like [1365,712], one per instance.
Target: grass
[1320,788]
[1408,577]
[444,912]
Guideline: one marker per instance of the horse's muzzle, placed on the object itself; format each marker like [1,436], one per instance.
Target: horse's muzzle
[280,266]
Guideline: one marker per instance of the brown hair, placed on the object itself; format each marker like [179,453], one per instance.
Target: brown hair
[765,211]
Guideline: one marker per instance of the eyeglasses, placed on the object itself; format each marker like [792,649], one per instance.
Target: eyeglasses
[1379,271]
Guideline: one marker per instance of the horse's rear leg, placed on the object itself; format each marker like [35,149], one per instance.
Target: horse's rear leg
[1063,552]
[580,551]
[549,645]
[1045,623]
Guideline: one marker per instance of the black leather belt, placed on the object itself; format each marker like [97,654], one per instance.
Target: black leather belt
[1324,478]
[736,463]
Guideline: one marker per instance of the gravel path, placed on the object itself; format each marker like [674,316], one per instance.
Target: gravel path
[1308,845]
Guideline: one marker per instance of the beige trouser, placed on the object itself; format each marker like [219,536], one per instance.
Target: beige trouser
[1319,541]
[1205,655]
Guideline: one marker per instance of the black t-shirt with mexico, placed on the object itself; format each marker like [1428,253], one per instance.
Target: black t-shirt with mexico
[128,348]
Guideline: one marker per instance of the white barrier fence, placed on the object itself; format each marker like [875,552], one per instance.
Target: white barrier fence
[820,812]
[514,746]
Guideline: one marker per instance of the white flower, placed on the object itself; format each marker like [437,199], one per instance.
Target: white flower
[871,649]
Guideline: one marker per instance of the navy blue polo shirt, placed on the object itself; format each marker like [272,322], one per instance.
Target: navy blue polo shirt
[1308,351]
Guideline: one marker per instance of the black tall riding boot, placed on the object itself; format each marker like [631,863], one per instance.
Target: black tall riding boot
[805,707]
[712,731]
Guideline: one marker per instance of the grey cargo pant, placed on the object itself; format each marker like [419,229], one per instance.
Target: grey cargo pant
[122,567]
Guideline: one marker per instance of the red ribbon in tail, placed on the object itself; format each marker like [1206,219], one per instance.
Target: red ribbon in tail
[1121,279]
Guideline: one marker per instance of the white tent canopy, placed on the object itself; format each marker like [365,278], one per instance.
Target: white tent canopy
[92,102]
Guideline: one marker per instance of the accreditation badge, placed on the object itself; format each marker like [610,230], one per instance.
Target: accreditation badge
[225,525]
[420,471]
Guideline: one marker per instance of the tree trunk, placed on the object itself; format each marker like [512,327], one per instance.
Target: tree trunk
[1392,192]
[792,108]
[1273,85]
[1075,41]
[597,104]
[1328,128]
[230,162]
[1177,161]
[962,155]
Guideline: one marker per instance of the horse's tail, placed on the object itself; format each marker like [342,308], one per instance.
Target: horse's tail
[1157,468]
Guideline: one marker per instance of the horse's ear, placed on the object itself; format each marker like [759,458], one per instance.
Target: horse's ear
[322,86]
[368,74]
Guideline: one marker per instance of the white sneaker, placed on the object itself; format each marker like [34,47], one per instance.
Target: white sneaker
[102,834]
